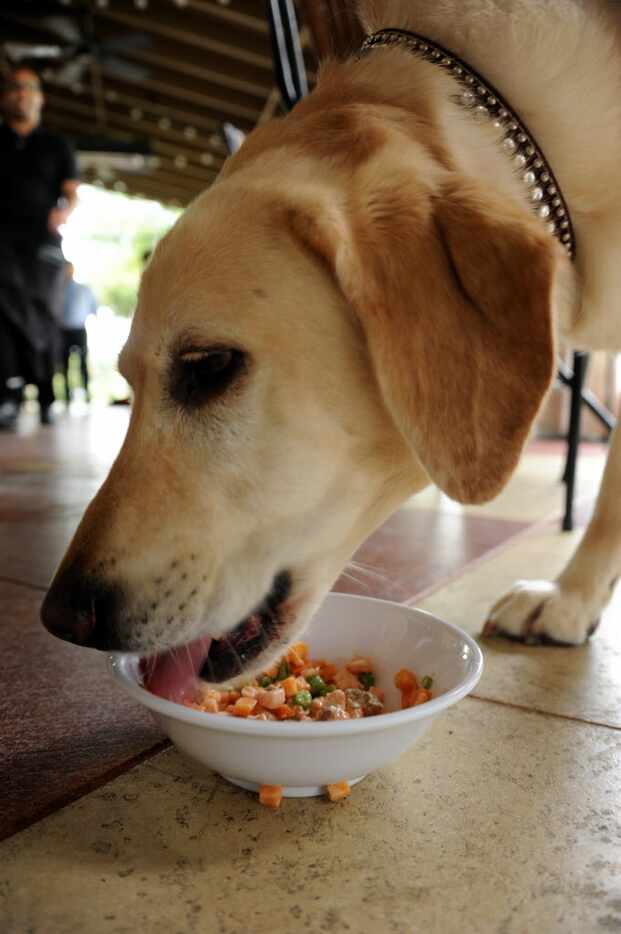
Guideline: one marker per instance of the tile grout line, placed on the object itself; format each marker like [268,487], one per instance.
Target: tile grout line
[543,713]
[529,528]
[21,583]
[90,786]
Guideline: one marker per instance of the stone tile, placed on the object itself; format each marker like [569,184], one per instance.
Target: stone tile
[535,491]
[31,550]
[47,478]
[64,725]
[498,822]
[417,549]
[582,682]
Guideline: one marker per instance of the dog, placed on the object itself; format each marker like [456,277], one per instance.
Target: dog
[362,304]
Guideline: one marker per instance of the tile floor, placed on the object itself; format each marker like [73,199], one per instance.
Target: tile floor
[505,818]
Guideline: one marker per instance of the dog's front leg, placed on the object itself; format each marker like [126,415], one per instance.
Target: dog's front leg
[568,609]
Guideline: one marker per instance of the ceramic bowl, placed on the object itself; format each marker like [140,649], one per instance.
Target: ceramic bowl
[304,757]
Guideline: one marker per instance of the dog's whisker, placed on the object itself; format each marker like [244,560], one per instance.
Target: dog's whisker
[355,579]
[369,570]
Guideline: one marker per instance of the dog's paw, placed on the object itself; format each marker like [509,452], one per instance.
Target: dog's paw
[541,611]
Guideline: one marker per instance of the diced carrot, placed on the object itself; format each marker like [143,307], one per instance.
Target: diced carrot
[327,671]
[302,649]
[274,697]
[338,791]
[232,696]
[270,795]
[244,706]
[284,712]
[295,660]
[272,671]
[378,693]
[405,680]
[289,686]
[358,665]
[345,679]
[421,697]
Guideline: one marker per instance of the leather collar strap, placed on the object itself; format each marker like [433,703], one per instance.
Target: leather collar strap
[481,98]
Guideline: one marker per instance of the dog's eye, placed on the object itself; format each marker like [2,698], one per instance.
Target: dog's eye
[201,375]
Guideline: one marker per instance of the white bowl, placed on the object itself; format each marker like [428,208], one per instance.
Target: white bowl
[305,757]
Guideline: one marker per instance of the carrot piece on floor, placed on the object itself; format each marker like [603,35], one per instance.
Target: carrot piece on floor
[244,706]
[405,680]
[270,795]
[338,791]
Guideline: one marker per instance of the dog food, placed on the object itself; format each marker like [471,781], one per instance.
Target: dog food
[303,689]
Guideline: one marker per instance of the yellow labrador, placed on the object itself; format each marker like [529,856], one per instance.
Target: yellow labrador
[365,302]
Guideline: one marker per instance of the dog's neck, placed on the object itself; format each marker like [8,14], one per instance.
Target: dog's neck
[477,95]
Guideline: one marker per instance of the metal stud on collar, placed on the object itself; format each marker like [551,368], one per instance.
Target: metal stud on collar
[478,96]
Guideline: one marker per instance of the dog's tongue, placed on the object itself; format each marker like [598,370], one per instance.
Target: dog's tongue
[174,674]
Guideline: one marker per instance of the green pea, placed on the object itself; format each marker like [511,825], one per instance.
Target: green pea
[330,688]
[426,682]
[366,679]
[302,699]
[317,686]
[283,671]
[266,681]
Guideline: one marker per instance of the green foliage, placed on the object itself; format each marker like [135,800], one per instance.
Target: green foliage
[112,234]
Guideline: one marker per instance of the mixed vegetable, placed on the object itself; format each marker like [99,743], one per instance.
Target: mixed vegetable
[303,689]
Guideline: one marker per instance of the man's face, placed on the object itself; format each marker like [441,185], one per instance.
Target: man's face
[22,98]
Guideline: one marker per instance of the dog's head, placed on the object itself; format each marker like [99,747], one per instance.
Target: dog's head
[313,342]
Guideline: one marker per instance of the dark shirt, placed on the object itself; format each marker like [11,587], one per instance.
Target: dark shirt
[33,169]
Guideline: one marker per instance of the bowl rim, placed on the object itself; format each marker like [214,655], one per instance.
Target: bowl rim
[122,667]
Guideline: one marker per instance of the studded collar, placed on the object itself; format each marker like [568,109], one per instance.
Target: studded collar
[481,98]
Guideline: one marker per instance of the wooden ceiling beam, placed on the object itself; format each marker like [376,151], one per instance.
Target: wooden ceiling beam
[158,191]
[192,167]
[171,180]
[247,15]
[171,85]
[121,119]
[184,78]
[175,108]
[181,25]
[243,80]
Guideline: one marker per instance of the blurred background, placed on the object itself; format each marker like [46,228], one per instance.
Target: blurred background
[153,95]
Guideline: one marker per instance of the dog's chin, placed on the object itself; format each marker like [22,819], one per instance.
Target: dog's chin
[253,642]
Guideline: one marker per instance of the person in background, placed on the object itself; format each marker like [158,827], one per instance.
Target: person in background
[38,191]
[78,303]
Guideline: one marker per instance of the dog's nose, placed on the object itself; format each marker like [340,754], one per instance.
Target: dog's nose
[82,609]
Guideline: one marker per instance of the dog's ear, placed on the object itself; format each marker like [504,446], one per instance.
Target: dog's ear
[454,291]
